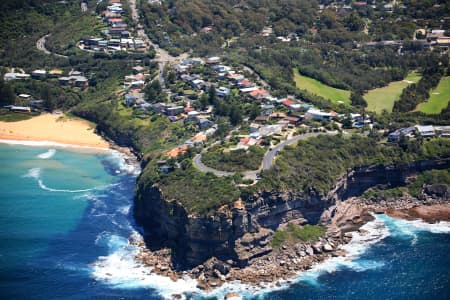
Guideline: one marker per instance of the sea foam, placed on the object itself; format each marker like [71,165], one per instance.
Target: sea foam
[47,155]
[35,173]
[121,270]
[51,144]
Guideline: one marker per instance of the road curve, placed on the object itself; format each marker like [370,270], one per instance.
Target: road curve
[162,56]
[40,45]
[268,159]
[199,165]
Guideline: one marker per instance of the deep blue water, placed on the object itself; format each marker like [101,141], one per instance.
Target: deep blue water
[65,217]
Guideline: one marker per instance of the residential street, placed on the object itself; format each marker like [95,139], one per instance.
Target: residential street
[162,56]
[268,159]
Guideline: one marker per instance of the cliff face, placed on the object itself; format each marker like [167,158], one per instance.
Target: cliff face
[242,232]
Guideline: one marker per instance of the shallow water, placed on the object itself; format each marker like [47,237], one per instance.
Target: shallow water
[65,217]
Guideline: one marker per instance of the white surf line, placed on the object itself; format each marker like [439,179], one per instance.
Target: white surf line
[48,154]
[50,144]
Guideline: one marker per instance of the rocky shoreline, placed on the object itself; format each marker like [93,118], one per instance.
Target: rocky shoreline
[285,263]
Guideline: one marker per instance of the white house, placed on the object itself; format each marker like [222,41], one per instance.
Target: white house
[425,131]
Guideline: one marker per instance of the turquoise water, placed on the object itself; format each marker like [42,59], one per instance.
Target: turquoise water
[65,221]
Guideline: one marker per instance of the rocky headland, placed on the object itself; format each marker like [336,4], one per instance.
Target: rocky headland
[236,242]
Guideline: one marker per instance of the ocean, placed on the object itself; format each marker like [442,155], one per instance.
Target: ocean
[66,215]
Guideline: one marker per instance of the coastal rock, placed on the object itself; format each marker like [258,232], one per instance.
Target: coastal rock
[327,248]
[228,233]
[309,251]
[317,247]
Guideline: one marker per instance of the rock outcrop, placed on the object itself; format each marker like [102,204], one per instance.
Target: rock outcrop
[242,232]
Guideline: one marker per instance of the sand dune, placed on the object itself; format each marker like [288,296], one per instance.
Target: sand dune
[53,128]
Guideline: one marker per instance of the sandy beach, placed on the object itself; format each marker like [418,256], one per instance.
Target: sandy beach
[55,129]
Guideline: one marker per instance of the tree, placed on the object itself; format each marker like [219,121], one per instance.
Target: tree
[235,115]
[6,93]
[212,95]
[204,101]
[357,99]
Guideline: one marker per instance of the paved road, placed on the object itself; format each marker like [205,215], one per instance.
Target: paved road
[270,156]
[268,159]
[198,163]
[40,44]
[162,56]
[259,78]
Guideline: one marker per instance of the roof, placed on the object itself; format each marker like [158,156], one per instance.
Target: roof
[288,102]
[258,93]
[292,119]
[427,128]
[199,137]
[177,151]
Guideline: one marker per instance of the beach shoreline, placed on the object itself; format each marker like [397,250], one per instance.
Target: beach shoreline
[53,130]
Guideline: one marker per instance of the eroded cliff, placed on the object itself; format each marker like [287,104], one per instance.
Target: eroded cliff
[242,231]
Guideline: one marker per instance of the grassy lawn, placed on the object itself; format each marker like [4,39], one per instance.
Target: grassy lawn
[439,98]
[384,98]
[7,116]
[316,87]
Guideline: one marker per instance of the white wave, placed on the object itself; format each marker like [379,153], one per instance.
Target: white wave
[124,210]
[120,269]
[399,227]
[51,144]
[120,161]
[35,173]
[48,154]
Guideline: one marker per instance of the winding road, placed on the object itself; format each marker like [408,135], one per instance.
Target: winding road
[162,56]
[267,161]
[40,44]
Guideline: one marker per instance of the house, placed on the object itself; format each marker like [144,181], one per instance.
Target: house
[293,120]
[223,91]
[262,119]
[37,103]
[130,99]
[80,81]
[244,83]
[39,74]
[20,109]
[318,115]
[174,110]
[193,115]
[235,77]
[425,131]
[406,131]
[267,109]
[16,76]
[64,80]
[137,84]
[177,151]
[55,73]
[248,89]
[292,105]
[213,60]
[443,130]
[197,83]
[436,34]
[259,94]
[24,96]
[254,127]
[205,124]
[160,107]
